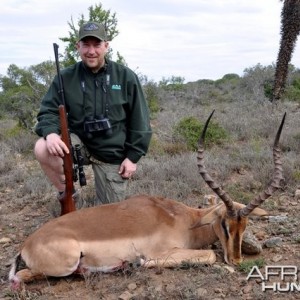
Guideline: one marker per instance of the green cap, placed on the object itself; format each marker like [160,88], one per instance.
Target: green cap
[94,29]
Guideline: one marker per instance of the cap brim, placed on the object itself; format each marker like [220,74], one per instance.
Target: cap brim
[91,35]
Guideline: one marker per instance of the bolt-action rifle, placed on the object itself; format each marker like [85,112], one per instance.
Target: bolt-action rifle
[67,203]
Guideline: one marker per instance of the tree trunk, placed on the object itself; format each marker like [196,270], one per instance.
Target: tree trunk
[290,28]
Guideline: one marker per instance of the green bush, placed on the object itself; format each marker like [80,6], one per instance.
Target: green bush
[228,78]
[151,93]
[268,89]
[188,130]
[292,92]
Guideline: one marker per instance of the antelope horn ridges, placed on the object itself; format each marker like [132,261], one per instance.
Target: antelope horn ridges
[210,182]
[276,180]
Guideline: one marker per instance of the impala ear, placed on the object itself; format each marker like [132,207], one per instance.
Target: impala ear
[199,224]
[259,212]
[206,220]
[210,217]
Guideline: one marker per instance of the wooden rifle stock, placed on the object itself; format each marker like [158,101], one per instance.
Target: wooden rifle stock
[67,203]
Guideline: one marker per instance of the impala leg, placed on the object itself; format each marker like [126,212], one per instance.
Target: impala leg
[56,259]
[26,275]
[90,264]
[177,256]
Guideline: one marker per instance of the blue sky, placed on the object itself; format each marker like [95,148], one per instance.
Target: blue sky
[194,39]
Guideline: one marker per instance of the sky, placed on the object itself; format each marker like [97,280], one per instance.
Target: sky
[193,39]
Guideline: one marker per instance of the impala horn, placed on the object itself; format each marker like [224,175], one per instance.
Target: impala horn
[277,179]
[231,212]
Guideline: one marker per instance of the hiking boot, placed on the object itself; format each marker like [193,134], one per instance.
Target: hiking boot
[55,209]
[75,196]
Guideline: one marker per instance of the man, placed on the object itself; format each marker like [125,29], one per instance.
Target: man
[107,115]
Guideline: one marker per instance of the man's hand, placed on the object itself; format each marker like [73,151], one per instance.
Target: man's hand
[127,168]
[55,145]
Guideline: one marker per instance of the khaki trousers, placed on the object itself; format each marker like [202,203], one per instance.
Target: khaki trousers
[109,185]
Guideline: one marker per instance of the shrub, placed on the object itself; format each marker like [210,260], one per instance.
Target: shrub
[21,141]
[293,91]
[188,130]
[228,78]
[268,89]
[151,93]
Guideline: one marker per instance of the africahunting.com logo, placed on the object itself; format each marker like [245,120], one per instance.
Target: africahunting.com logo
[276,278]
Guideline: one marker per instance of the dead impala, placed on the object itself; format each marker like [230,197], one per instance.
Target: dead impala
[152,231]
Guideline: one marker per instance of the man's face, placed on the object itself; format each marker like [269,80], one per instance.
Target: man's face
[92,52]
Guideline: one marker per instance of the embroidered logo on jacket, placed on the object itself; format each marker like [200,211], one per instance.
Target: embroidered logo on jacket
[116,87]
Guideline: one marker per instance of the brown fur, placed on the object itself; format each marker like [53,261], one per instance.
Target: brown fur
[151,230]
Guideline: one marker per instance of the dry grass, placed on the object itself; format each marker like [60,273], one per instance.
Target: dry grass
[169,169]
[243,166]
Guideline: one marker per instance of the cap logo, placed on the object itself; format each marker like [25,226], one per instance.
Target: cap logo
[91,27]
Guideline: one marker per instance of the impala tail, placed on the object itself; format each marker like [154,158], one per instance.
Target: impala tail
[13,279]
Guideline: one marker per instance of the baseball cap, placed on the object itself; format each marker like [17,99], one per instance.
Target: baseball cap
[94,29]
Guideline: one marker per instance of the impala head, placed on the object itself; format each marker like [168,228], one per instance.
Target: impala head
[230,232]
[230,218]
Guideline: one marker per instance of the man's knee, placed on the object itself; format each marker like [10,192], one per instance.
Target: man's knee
[40,149]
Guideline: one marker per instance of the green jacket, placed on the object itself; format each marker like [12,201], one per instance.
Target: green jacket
[85,96]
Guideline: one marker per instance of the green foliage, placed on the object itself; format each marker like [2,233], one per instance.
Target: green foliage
[151,93]
[174,83]
[292,92]
[96,14]
[14,131]
[246,265]
[156,147]
[254,79]
[228,78]
[268,89]
[14,139]
[206,81]
[188,129]
[22,90]
[120,59]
